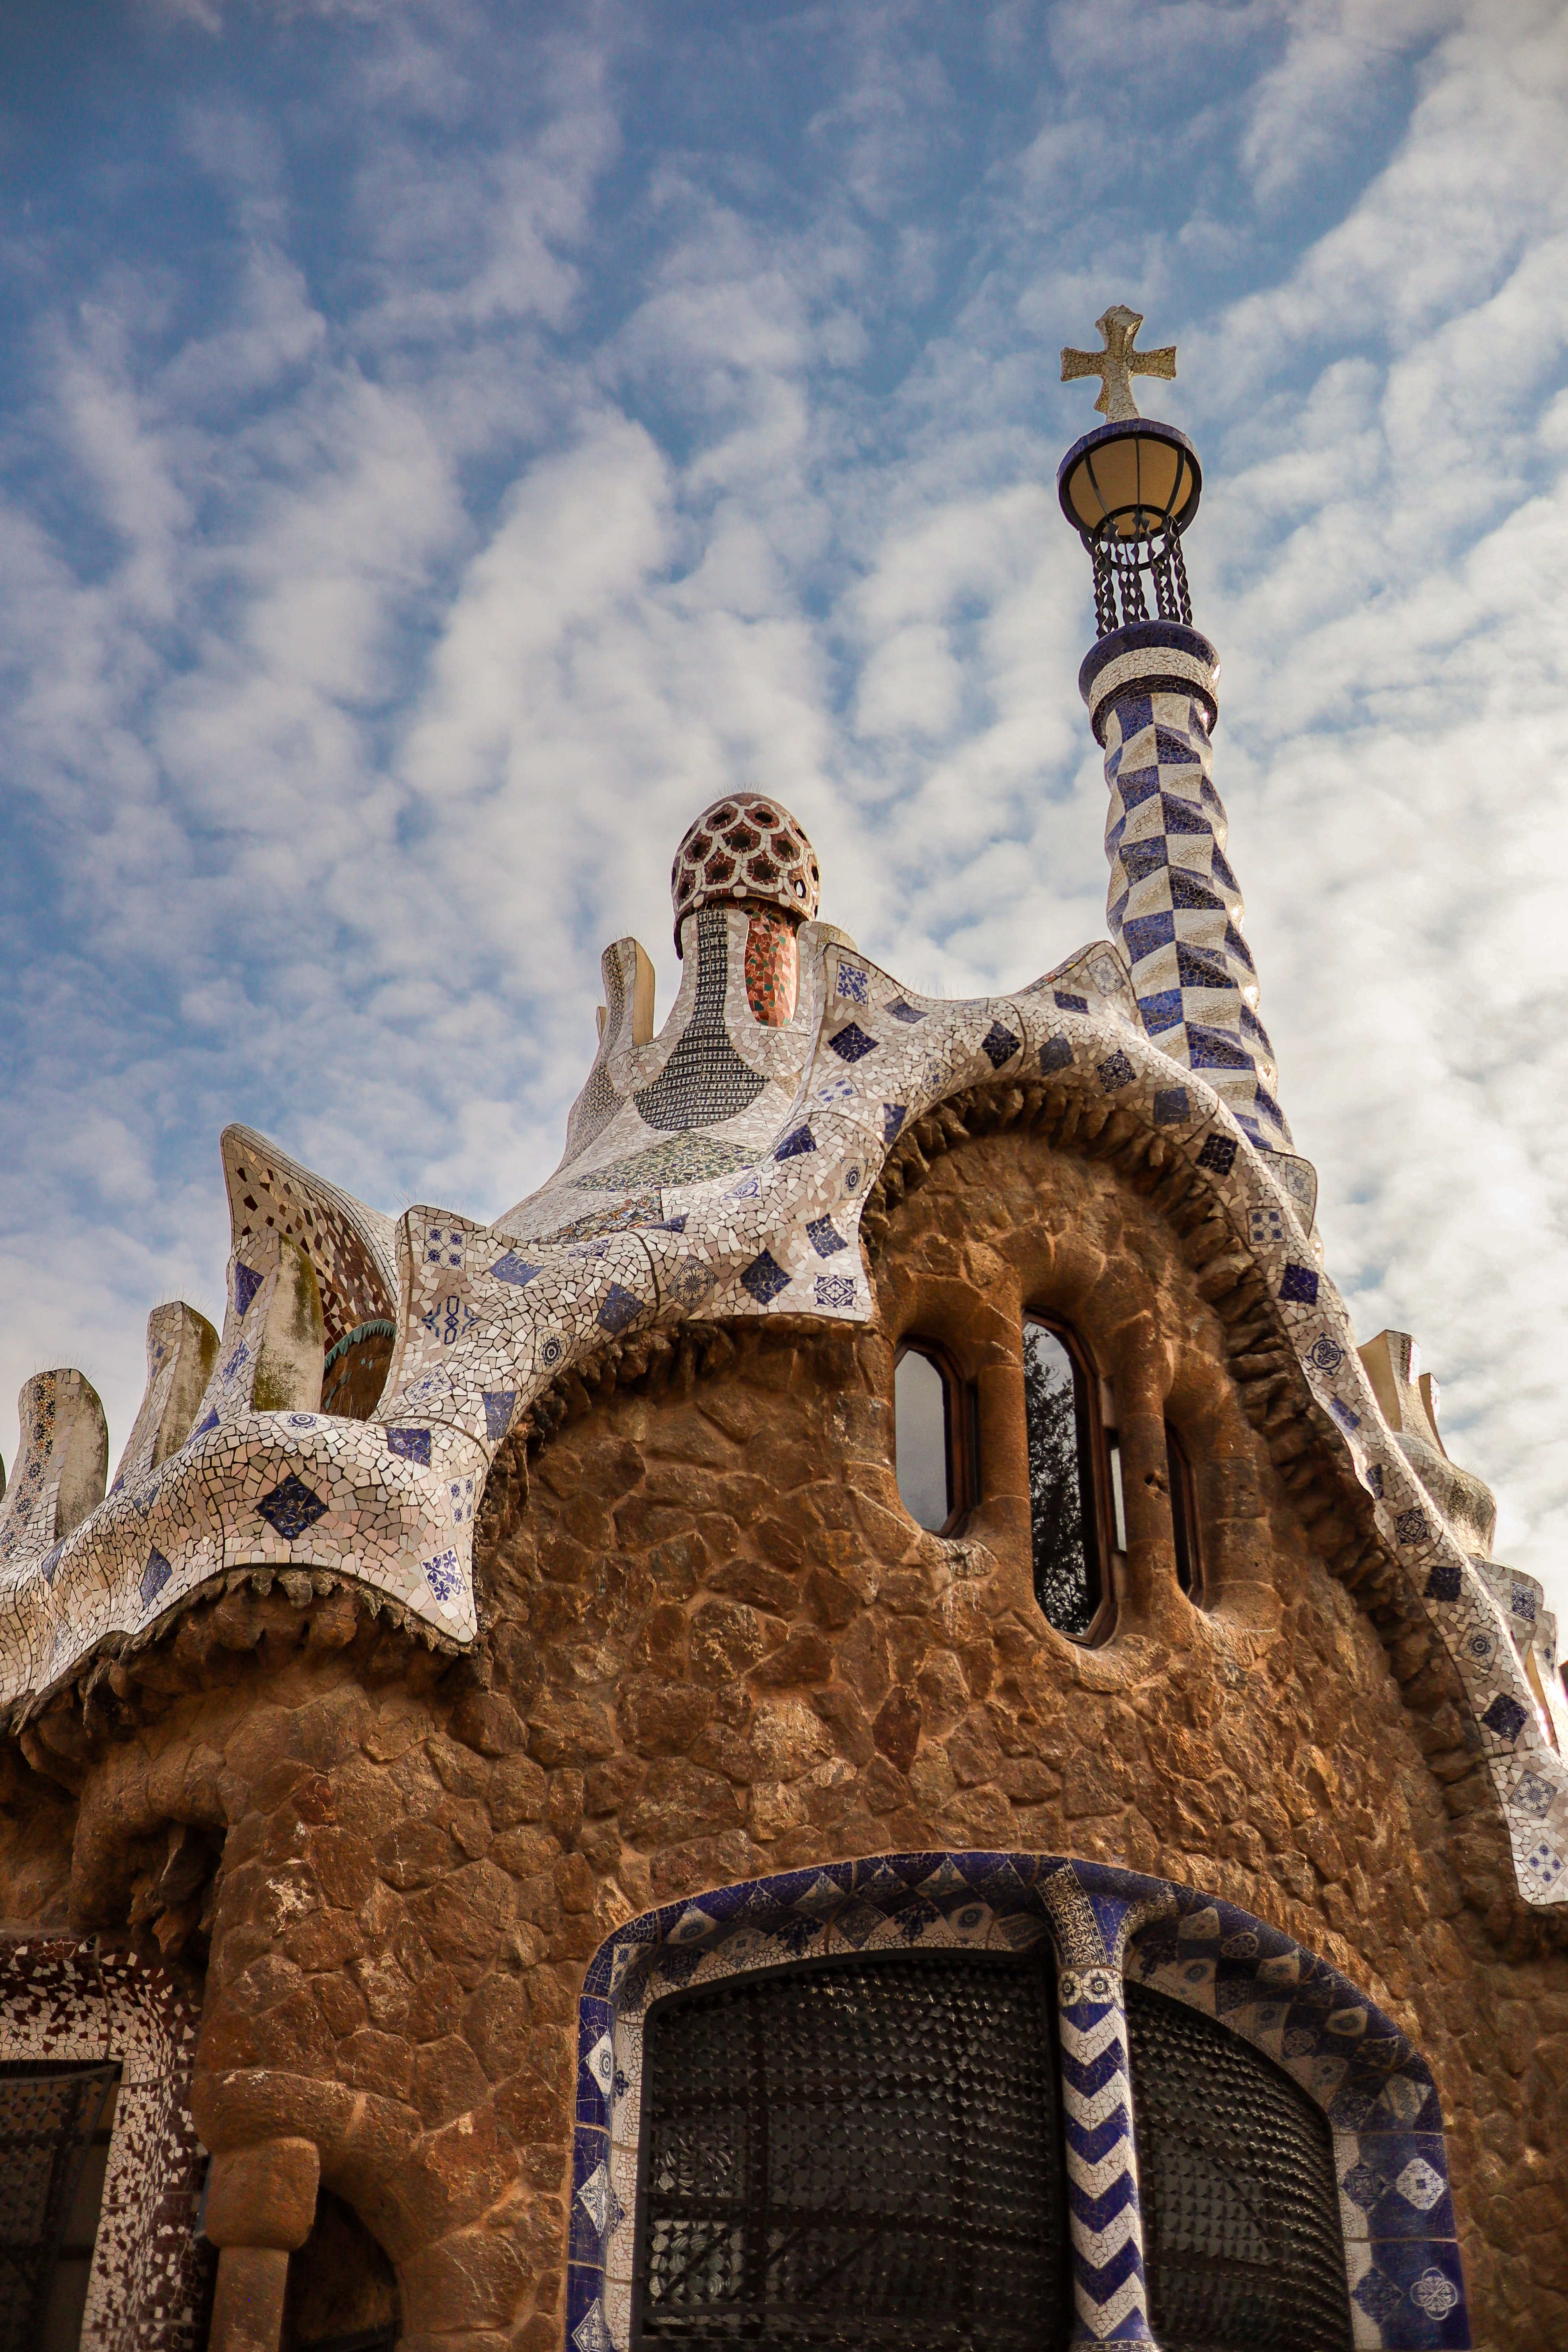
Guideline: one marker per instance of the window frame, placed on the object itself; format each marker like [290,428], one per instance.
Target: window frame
[961,1429]
[1187,1527]
[1099,1436]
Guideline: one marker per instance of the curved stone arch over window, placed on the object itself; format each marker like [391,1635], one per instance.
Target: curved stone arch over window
[1374,2089]
[61,2003]
[1403,2272]
[934,1438]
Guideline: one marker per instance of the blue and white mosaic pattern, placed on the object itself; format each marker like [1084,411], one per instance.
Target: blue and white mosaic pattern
[1403,2277]
[1174,905]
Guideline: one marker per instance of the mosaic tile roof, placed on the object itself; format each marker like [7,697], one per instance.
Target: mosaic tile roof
[717,1169]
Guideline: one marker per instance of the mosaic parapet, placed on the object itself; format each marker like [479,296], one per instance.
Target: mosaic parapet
[57,1480]
[752,1208]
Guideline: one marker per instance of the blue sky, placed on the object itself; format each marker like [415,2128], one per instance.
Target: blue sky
[444,446]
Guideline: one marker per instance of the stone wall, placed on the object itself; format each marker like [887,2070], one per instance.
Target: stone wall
[717,1647]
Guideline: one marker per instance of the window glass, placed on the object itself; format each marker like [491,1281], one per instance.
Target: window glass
[922,1413]
[866,2153]
[1236,2176]
[1183,1516]
[1069,1579]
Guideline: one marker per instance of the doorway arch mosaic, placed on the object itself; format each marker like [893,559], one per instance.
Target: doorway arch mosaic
[1103,1926]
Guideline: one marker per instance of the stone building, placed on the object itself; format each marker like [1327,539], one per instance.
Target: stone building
[860,1724]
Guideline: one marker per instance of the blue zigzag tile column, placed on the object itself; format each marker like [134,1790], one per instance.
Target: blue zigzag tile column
[1090,1932]
[1174,904]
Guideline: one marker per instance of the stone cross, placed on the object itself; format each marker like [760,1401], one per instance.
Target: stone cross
[1118,364]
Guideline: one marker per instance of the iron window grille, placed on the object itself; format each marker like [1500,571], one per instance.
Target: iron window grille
[1242,2242]
[49,2117]
[856,2154]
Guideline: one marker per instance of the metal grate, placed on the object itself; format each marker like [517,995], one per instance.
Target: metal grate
[47,2117]
[860,2154]
[1241,2223]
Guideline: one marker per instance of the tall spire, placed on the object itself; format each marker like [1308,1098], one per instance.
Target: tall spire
[1129,489]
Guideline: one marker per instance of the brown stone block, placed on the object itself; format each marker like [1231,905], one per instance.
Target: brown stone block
[785,1739]
[435,2004]
[641,1524]
[847,1718]
[897,1728]
[476,2278]
[564,1731]
[344,1865]
[496,2018]
[705,1862]
[526,1852]
[516,1793]
[660,1718]
[264,2195]
[240,2108]
[339,2001]
[413,1855]
[727,1639]
[563,1804]
[452,2179]
[975,1752]
[248,2299]
[449,2081]
[606,1787]
[371,2061]
[805,1659]
[466,1916]
[488,1723]
[677,1800]
[769,1590]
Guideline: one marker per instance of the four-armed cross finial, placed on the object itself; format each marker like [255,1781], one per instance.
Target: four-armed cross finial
[1118,364]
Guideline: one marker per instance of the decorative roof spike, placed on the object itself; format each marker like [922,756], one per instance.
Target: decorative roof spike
[1118,364]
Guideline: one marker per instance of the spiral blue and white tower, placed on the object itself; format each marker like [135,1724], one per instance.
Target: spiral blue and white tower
[1174,906]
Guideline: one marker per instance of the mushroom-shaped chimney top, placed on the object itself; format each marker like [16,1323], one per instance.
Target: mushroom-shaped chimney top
[745,850]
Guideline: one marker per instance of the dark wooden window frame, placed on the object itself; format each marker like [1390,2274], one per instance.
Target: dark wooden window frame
[1098,1448]
[960,1427]
[1186,1530]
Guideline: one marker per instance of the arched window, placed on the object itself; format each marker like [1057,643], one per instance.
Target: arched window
[1185,1518]
[934,1445]
[863,2152]
[1076,1508]
[1242,2240]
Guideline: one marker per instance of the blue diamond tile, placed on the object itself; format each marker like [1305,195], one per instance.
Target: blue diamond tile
[764,1278]
[292,1509]
[414,1444]
[247,1283]
[852,1043]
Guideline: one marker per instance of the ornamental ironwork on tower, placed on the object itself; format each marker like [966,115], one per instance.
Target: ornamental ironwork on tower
[1131,491]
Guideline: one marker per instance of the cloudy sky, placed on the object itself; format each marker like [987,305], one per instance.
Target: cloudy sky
[444,446]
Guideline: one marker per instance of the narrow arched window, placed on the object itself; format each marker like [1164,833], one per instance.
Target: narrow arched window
[1185,1518]
[1242,2239]
[1075,1509]
[865,2152]
[933,1434]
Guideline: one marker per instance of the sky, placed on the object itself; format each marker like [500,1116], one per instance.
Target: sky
[444,446]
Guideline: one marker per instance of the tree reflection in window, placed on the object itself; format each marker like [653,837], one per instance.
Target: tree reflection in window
[1070,1578]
